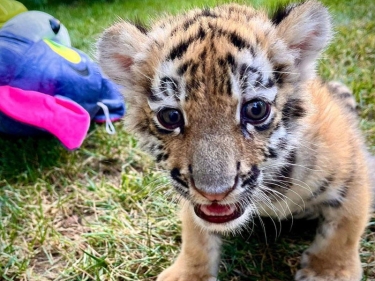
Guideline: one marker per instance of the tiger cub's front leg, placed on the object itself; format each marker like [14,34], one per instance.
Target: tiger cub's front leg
[333,256]
[200,253]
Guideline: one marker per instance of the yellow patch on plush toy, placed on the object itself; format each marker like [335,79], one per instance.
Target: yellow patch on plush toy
[66,53]
[9,9]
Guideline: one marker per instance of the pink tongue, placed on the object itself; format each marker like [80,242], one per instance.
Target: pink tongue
[218,210]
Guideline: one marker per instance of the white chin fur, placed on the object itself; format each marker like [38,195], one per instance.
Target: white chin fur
[231,226]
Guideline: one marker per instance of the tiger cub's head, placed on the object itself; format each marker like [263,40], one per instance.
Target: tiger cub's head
[217,96]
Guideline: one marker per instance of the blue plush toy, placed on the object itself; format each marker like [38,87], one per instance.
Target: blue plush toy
[46,85]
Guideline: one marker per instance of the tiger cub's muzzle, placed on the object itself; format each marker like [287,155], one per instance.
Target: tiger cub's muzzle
[216,210]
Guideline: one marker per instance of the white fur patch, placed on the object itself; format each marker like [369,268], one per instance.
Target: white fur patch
[263,66]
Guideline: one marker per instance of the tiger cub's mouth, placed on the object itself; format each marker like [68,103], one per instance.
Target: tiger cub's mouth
[216,213]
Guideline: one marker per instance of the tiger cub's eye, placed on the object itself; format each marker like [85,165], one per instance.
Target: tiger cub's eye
[255,111]
[170,118]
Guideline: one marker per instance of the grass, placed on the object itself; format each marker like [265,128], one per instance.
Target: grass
[105,211]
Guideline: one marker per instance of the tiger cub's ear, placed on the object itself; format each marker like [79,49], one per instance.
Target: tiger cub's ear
[306,29]
[117,48]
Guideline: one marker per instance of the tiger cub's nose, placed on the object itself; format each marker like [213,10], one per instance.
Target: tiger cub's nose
[215,197]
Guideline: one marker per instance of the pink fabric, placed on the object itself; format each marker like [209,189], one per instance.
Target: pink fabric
[63,118]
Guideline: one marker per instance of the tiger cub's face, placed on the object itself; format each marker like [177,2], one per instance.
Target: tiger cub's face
[217,96]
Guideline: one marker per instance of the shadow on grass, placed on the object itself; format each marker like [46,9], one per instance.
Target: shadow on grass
[26,158]
[263,254]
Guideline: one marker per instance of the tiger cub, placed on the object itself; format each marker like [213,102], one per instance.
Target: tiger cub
[226,99]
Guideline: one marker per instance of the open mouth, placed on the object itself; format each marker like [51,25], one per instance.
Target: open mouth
[216,213]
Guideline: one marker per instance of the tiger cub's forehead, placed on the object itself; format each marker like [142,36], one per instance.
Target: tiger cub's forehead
[213,53]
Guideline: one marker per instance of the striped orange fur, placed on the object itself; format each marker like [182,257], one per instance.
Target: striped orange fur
[227,100]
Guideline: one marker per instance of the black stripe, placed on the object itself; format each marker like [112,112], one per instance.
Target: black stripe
[181,48]
[175,174]
[287,170]
[228,60]
[237,41]
[245,69]
[252,51]
[333,203]
[234,38]
[222,62]
[192,85]
[293,109]
[186,25]
[201,33]
[343,191]
[291,157]
[277,126]
[202,56]
[231,61]
[169,83]
[191,169]
[345,95]
[282,12]
[194,67]
[283,143]
[228,87]
[189,22]
[272,153]
[253,175]
[270,83]
[183,67]
[153,146]
[206,12]
[140,25]
[143,126]
[280,73]
[322,188]
[259,81]
[159,157]
[162,157]
[351,109]
[154,96]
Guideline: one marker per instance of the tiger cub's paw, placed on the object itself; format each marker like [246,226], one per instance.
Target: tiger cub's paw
[317,269]
[175,273]
[307,274]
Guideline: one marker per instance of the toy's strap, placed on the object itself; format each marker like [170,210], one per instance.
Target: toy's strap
[63,118]
[108,123]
